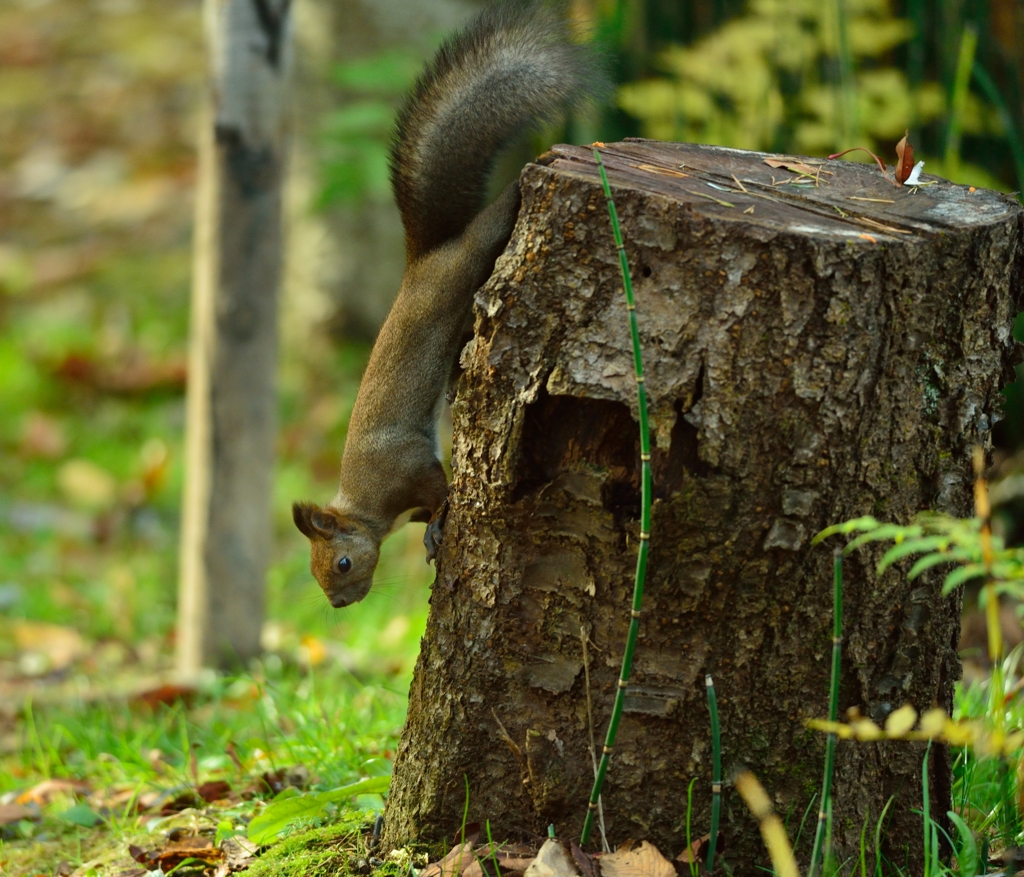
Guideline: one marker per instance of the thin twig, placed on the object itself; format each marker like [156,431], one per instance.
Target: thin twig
[710,198]
[516,751]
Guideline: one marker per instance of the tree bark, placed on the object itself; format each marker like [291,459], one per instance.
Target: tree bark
[231,409]
[809,358]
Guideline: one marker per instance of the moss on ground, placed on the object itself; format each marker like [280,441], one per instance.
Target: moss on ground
[317,852]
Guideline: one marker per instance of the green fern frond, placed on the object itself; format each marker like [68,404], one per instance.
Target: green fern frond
[847,527]
[929,560]
[894,532]
[923,545]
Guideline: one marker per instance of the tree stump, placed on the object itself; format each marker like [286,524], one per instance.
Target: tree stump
[812,353]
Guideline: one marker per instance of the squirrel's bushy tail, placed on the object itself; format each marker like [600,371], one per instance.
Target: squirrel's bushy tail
[513,68]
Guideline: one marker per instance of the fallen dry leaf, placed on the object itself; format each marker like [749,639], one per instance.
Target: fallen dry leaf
[584,861]
[59,266]
[797,166]
[453,864]
[552,861]
[42,436]
[165,695]
[514,865]
[133,374]
[11,813]
[643,860]
[214,790]
[61,646]
[238,852]
[696,851]
[176,849]
[484,866]
[481,868]
[47,790]
[904,158]
[85,484]
[511,859]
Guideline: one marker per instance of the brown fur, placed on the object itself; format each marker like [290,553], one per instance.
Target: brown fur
[513,68]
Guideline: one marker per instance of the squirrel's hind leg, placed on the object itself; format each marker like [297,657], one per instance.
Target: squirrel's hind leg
[434,534]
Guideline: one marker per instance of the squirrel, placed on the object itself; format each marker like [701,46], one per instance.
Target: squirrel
[512,69]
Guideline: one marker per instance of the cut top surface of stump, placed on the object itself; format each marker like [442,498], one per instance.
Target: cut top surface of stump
[831,260]
[842,199]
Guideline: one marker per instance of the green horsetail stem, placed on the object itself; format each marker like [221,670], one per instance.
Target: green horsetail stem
[716,774]
[645,513]
[958,100]
[692,862]
[833,709]
[926,813]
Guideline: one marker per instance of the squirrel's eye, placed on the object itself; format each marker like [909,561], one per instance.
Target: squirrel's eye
[344,564]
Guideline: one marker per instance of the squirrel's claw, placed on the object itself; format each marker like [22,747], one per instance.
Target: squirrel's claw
[434,535]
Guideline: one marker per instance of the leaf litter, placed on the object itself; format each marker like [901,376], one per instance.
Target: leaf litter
[554,859]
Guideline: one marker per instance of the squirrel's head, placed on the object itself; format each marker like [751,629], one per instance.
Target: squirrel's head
[343,552]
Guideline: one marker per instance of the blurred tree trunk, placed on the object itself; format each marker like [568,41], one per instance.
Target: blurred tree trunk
[805,365]
[226,516]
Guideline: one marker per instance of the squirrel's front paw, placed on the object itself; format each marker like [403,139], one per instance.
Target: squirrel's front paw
[434,535]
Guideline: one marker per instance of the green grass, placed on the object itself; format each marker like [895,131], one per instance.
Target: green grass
[327,698]
[90,480]
[327,721]
[330,695]
[328,725]
[985,788]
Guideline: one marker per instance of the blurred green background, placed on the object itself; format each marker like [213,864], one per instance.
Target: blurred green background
[100,105]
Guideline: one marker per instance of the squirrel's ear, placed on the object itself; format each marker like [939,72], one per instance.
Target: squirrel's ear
[313,522]
[326,522]
[318,522]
